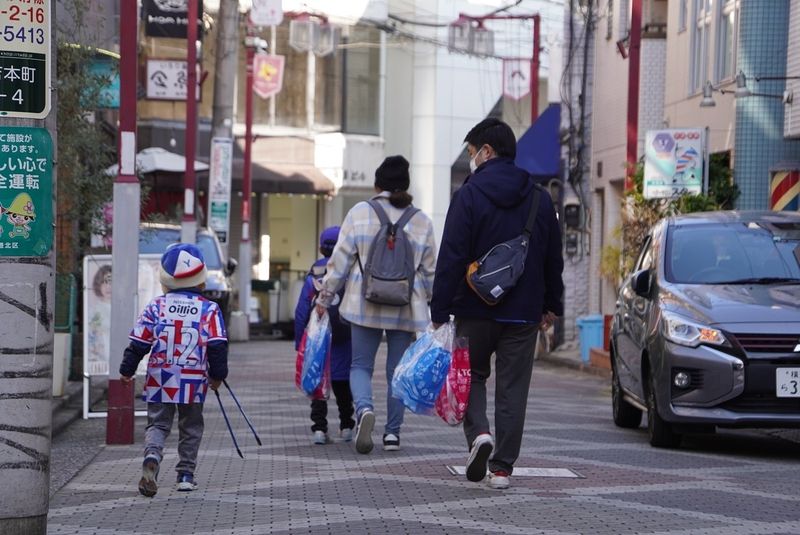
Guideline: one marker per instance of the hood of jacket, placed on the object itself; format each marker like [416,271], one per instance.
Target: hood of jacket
[505,184]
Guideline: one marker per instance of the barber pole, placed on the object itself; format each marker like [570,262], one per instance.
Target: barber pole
[784,191]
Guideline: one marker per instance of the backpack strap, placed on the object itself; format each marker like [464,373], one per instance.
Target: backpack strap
[534,211]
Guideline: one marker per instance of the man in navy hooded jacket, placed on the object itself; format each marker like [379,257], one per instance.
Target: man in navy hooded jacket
[491,207]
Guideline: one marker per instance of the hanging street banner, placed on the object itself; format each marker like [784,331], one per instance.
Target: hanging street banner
[167,79]
[169,18]
[25,58]
[266,12]
[26,191]
[267,75]
[673,162]
[516,78]
[219,186]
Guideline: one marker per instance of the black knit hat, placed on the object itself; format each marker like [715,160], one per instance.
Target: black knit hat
[392,174]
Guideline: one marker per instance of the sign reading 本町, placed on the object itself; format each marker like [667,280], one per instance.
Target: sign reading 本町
[25,58]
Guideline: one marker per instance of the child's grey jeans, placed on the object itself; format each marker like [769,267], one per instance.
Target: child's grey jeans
[190,429]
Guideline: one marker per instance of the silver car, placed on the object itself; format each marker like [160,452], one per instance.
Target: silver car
[706,331]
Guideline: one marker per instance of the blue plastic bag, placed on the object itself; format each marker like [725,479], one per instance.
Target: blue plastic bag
[421,372]
[315,373]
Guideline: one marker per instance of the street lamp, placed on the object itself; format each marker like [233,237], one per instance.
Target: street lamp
[310,32]
[741,86]
[708,99]
[742,91]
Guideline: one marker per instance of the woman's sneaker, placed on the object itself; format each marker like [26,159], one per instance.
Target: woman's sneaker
[498,480]
[186,482]
[147,485]
[366,422]
[478,458]
[391,442]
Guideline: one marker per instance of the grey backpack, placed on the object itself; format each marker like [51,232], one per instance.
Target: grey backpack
[389,270]
[494,274]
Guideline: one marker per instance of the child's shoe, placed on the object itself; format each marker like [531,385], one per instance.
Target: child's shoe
[186,482]
[147,485]
[320,437]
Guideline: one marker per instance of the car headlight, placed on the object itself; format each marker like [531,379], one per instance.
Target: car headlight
[685,332]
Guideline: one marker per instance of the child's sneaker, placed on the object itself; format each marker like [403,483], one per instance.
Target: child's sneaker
[147,485]
[186,482]
[346,434]
[320,437]
[391,442]
[364,434]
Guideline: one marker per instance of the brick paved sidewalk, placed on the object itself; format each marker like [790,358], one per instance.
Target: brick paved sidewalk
[292,486]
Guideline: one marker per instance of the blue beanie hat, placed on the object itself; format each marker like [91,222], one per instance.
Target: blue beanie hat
[182,266]
[328,239]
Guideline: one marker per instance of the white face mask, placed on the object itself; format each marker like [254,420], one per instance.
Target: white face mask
[473,164]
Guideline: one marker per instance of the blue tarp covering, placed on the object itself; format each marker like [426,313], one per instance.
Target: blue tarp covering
[539,149]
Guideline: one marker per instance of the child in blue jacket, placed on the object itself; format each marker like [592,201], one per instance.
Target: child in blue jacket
[341,349]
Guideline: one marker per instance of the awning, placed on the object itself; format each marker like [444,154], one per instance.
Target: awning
[539,149]
[281,165]
[158,160]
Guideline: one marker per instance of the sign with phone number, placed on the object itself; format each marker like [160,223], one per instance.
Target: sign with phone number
[25,58]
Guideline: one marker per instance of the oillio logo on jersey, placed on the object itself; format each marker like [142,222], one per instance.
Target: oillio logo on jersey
[180,308]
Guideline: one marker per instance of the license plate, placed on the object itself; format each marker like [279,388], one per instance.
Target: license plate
[787,382]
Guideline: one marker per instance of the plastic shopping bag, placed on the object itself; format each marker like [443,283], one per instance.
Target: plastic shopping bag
[421,372]
[451,404]
[313,363]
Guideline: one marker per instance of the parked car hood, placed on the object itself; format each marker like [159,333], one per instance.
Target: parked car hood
[734,303]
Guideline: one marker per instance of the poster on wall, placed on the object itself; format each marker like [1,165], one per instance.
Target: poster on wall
[97,308]
[219,178]
[674,162]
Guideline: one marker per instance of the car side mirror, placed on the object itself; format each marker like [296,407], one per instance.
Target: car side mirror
[640,282]
[230,267]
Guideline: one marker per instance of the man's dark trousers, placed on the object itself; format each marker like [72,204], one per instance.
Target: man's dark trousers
[513,344]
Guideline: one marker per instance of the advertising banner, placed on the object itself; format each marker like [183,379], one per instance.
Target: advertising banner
[674,162]
[267,75]
[516,78]
[219,186]
[266,12]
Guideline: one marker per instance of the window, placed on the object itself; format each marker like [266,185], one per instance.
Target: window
[624,18]
[682,15]
[726,40]
[701,20]
[610,19]
[362,66]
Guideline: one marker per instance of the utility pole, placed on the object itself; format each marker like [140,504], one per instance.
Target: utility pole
[124,264]
[189,221]
[27,281]
[226,67]
[245,247]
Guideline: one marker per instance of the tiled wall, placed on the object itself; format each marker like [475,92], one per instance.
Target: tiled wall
[760,144]
[792,121]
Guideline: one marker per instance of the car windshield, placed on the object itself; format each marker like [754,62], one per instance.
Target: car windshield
[751,252]
[156,240]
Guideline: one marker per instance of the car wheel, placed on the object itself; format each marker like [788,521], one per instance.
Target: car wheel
[660,432]
[625,414]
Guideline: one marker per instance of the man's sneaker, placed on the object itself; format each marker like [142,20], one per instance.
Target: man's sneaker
[498,480]
[320,437]
[391,442]
[186,482]
[478,458]
[366,423]
[147,485]
[346,434]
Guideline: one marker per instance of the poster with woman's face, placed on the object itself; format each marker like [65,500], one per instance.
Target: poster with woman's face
[97,307]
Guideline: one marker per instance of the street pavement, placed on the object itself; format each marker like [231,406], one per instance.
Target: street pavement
[742,482]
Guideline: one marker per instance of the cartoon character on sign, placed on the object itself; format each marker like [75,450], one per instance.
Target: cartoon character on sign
[20,213]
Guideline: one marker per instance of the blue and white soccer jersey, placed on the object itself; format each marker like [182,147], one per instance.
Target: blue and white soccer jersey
[178,326]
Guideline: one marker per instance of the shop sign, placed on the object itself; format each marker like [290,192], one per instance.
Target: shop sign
[167,79]
[674,163]
[169,18]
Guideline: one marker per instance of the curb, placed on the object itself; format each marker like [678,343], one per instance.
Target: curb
[574,364]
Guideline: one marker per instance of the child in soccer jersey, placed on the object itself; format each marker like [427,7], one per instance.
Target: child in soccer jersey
[341,347]
[185,335]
